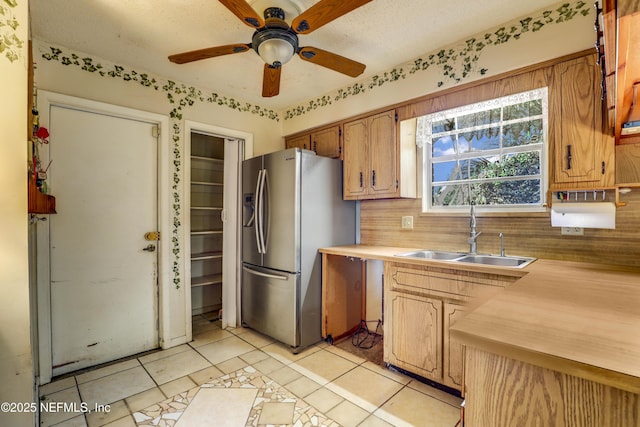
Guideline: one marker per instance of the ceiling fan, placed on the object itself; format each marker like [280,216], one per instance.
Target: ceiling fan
[276,42]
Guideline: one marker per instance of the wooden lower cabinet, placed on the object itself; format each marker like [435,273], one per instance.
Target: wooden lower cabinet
[453,352]
[500,391]
[414,340]
[343,295]
[420,304]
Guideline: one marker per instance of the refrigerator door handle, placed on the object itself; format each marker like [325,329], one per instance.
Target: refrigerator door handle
[264,204]
[260,218]
[267,275]
[255,217]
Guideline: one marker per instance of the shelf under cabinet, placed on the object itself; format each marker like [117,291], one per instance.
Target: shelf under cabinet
[211,279]
[208,159]
[206,255]
[205,208]
[207,183]
[205,232]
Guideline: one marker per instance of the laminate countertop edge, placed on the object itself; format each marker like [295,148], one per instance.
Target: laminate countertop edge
[577,318]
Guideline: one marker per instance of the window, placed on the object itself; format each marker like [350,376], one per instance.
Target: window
[492,154]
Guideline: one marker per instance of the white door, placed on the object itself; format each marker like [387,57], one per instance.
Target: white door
[104,293]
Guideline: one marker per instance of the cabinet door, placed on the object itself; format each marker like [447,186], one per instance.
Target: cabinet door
[414,340]
[343,295]
[326,142]
[302,141]
[356,164]
[383,178]
[582,152]
[453,355]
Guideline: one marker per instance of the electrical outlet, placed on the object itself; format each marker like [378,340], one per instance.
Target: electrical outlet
[407,222]
[572,231]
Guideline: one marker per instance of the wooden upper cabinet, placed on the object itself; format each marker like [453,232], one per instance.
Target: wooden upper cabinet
[373,165]
[621,33]
[583,152]
[383,155]
[356,160]
[326,142]
[301,141]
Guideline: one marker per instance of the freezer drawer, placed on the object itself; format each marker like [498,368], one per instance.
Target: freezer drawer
[270,301]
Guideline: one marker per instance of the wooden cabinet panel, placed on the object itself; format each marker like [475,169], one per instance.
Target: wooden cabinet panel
[383,155]
[415,342]
[453,352]
[343,295]
[421,304]
[505,392]
[444,283]
[301,141]
[356,164]
[628,164]
[326,142]
[582,152]
[372,159]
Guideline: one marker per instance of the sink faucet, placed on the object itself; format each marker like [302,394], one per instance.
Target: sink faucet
[501,235]
[473,236]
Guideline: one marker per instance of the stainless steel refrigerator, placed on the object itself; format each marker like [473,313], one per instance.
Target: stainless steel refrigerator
[292,206]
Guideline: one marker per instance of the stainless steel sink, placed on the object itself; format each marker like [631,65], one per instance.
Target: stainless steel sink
[429,254]
[502,261]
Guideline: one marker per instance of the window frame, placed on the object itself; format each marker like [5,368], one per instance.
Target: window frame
[424,141]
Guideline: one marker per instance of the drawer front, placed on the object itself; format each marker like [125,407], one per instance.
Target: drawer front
[446,283]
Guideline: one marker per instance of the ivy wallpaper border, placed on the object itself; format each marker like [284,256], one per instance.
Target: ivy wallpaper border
[456,62]
[10,44]
[180,96]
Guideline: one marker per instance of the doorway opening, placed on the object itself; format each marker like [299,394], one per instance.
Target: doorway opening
[212,232]
[206,226]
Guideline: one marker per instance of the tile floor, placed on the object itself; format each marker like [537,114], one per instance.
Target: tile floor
[238,377]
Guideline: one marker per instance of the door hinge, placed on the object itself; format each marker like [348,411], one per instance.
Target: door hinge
[155,131]
[396,184]
[396,117]
[339,131]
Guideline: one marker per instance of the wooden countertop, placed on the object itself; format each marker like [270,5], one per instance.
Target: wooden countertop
[577,318]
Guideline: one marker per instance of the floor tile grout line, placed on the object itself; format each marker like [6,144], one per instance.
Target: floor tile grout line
[286,362]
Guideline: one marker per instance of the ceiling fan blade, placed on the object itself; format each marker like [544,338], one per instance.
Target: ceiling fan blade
[271,81]
[322,13]
[242,10]
[210,52]
[332,61]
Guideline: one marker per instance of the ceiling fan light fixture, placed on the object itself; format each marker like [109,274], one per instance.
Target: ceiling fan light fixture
[275,46]
[276,52]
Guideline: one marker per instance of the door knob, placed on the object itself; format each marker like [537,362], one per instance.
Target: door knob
[150,248]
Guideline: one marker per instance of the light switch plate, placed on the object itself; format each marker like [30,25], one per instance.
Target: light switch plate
[572,231]
[407,222]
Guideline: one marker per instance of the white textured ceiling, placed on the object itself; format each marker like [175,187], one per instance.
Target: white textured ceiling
[381,34]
